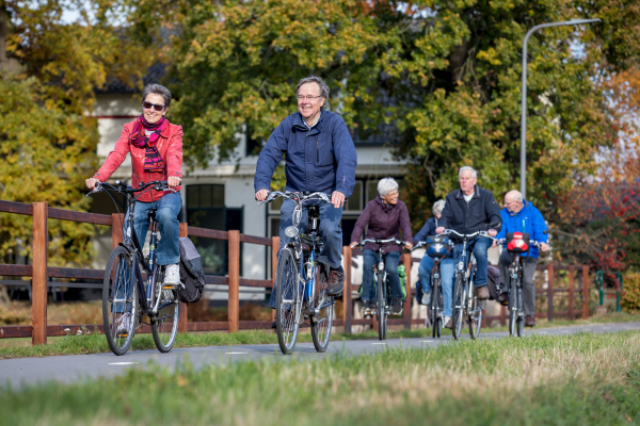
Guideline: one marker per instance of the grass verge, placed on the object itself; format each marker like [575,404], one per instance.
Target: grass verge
[96,343]
[584,379]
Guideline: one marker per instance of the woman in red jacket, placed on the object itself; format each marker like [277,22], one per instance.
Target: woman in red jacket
[155,146]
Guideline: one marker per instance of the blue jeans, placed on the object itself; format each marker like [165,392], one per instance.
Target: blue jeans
[168,252]
[446,280]
[330,232]
[391,261]
[167,210]
[479,246]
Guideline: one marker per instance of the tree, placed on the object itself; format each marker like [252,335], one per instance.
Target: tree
[49,70]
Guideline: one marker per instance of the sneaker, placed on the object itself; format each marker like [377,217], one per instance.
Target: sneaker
[503,299]
[396,306]
[530,321]
[172,274]
[123,324]
[335,282]
[447,322]
[483,293]
[368,306]
[426,299]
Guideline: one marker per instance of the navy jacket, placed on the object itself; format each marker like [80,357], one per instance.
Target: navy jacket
[429,228]
[322,159]
[528,220]
[481,211]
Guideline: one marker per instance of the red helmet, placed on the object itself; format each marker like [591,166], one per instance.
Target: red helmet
[518,243]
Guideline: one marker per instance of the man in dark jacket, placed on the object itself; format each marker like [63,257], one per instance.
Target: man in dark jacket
[320,157]
[468,210]
[519,215]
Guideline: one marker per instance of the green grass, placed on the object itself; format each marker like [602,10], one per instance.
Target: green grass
[95,343]
[584,379]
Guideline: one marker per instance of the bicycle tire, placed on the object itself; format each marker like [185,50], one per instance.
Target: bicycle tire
[458,306]
[381,308]
[165,326]
[475,316]
[119,279]
[287,310]
[322,324]
[513,310]
[520,320]
[435,306]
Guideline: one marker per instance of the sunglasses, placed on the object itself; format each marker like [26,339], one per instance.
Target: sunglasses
[149,105]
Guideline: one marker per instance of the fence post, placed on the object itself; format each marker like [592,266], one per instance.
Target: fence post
[585,292]
[117,226]
[571,272]
[346,294]
[234,281]
[407,303]
[275,248]
[182,313]
[550,294]
[39,273]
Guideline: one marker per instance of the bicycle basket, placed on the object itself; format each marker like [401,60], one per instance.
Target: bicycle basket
[438,246]
[518,242]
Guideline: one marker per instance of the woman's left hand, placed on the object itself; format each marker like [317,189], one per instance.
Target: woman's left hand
[408,245]
[174,181]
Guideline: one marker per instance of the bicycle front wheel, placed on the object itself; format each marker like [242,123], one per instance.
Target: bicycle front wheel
[435,308]
[513,310]
[475,317]
[322,321]
[381,307]
[458,306]
[165,326]
[119,301]
[287,301]
[520,318]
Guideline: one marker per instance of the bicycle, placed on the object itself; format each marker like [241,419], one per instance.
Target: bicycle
[301,281]
[438,250]
[465,304]
[125,298]
[516,306]
[383,302]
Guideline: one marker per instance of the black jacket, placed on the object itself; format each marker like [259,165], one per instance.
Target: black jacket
[465,218]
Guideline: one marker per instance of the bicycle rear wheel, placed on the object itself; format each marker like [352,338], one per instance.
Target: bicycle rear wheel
[119,301]
[287,301]
[381,307]
[458,306]
[322,322]
[165,326]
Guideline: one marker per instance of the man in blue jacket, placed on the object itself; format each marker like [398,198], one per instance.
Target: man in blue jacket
[520,215]
[320,157]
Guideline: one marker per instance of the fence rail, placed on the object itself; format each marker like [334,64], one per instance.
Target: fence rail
[41,272]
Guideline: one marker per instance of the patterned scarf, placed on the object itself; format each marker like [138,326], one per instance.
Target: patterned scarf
[152,160]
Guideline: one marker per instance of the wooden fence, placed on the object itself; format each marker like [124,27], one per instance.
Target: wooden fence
[41,272]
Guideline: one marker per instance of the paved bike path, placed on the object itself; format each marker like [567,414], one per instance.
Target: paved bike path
[75,367]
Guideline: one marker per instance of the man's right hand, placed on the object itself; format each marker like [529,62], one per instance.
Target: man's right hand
[262,194]
[439,229]
[91,183]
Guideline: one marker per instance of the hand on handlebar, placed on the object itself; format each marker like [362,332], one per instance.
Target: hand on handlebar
[173,181]
[408,245]
[92,183]
[544,246]
[262,194]
[492,232]
[354,245]
[337,199]
[439,229]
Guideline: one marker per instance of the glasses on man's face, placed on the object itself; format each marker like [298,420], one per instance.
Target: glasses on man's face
[308,98]
[149,105]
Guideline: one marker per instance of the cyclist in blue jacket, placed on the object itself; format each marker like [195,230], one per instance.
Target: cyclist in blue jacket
[520,215]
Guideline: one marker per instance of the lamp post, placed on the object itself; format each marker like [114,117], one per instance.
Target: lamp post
[523,121]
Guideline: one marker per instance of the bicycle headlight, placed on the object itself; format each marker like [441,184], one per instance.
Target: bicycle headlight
[291,232]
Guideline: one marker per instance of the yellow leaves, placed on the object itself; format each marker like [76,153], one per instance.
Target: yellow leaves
[490,55]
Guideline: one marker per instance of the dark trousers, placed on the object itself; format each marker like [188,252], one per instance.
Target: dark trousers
[370,260]
[528,288]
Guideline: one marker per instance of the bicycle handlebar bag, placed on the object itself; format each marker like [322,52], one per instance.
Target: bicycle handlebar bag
[518,242]
[438,247]
[191,272]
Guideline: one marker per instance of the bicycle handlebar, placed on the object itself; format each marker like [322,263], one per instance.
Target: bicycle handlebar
[503,241]
[379,242]
[295,196]
[160,185]
[467,236]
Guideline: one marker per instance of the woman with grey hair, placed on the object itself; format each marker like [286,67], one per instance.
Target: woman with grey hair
[423,291]
[385,216]
[155,146]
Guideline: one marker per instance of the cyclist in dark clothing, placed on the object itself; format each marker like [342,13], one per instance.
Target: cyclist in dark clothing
[468,210]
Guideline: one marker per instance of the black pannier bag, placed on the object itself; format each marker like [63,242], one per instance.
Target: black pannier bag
[191,272]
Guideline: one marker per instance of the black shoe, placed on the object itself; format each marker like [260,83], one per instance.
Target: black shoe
[368,306]
[396,306]
[503,299]
[273,325]
[335,284]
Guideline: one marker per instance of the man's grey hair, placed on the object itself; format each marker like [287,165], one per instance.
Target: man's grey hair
[324,89]
[438,206]
[468,169]
[157,89]
[515,195]
[387,185]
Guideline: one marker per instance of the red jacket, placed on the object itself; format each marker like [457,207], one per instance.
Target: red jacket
[170,148]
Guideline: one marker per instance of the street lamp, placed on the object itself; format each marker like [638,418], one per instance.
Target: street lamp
[523,121]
